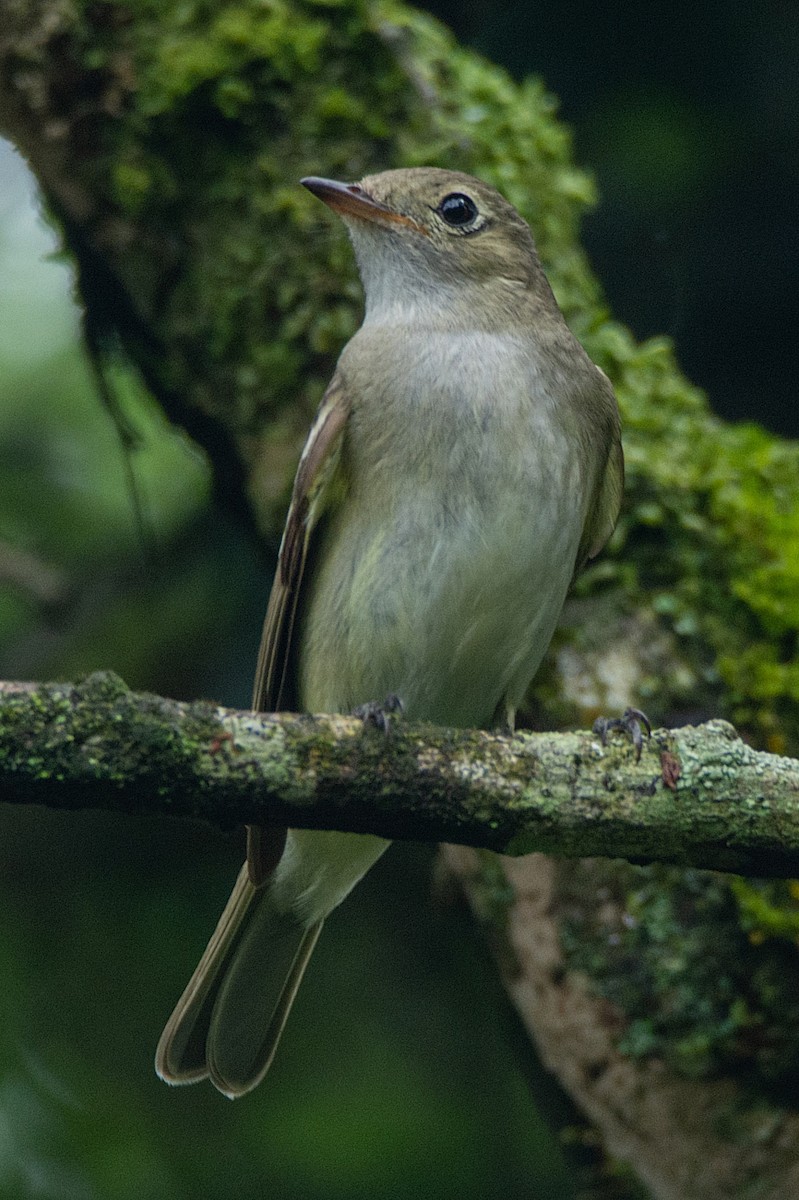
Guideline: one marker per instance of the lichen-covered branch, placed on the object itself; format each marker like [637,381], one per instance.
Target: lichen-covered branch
[698,795]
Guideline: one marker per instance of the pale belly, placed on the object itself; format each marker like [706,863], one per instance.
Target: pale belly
[453,619]
[443,575]
[450,608]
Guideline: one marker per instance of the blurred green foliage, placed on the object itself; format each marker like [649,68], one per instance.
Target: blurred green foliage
[395,1078]
[69,486]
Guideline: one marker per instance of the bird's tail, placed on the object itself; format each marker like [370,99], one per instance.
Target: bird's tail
[228,1021]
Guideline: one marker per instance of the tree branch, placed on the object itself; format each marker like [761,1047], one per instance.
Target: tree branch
[699,796]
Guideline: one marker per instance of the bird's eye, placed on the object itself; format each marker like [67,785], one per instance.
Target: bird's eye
[457,209]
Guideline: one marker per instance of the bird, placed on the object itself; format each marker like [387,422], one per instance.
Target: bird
[464,464]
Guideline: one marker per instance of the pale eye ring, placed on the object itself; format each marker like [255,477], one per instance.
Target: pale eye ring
[457,209]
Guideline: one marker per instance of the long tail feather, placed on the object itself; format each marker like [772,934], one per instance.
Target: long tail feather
[230,1017]
[180,1055]
[240,1046]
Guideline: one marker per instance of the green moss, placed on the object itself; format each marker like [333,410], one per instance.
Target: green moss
[206,115]
[217,111]
[694,988]
[99,723]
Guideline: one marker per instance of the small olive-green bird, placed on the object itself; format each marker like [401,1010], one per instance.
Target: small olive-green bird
[464,463]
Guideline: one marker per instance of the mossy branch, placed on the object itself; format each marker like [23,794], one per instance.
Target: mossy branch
[698,796]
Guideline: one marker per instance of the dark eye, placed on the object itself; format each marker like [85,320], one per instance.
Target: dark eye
[457,209]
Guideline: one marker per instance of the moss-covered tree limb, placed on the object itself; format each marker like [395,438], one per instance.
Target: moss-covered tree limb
[698,795]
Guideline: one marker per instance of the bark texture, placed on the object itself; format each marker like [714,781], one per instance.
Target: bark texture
[697,796]
[687,1140]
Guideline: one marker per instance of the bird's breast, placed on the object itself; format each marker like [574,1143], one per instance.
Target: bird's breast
[442,575]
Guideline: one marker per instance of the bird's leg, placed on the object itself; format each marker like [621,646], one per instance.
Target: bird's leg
[504,719]
[632,721]
[379,715]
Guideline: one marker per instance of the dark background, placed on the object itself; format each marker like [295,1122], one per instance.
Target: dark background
[402,1072]
[688,116]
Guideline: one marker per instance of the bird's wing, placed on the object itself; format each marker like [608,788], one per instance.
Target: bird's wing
[604,511]
[319,478]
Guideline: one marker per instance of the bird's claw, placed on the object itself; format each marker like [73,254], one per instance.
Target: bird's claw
[379,715]
[632,721]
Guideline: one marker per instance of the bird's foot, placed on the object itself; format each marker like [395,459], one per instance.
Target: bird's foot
[632,721]
[379,715]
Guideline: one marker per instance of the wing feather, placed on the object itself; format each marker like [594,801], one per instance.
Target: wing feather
[604,511]
[318,471]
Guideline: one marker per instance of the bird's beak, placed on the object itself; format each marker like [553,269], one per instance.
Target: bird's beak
[350,200]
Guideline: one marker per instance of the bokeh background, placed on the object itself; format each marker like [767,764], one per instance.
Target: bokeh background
[402,1072]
